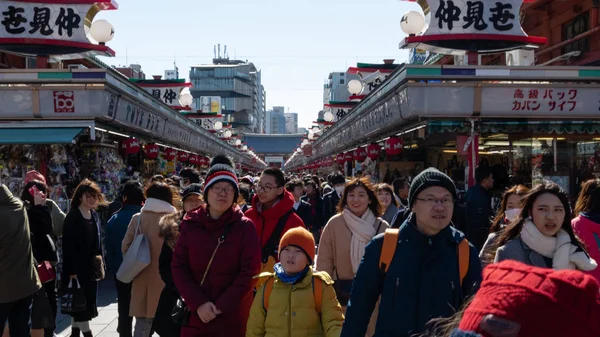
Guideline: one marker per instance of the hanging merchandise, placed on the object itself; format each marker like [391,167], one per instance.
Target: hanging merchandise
[104,166]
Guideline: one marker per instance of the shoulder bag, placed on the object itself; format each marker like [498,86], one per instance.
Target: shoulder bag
[136,258]
[181,312]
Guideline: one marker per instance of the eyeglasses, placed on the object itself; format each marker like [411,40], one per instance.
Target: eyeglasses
[446,202]
[260,188]
[226,190]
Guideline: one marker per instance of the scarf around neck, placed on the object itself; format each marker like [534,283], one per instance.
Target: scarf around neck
[563,253]
[363,230]
[289,279]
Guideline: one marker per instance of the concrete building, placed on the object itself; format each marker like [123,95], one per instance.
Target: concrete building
[238,83]
[134,71]
[172,74]
[291,123]
[276,122]
[336,90]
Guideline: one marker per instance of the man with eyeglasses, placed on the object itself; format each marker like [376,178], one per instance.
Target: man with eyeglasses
[423,279]
[272,213]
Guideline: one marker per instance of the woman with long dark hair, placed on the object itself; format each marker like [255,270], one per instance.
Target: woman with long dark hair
[347,234]
[587,220]
[82,247]
[509,210]
[542,235]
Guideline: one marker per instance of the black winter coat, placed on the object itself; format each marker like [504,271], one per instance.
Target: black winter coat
[42,241]
[330,204]
[81,244]
[303,212]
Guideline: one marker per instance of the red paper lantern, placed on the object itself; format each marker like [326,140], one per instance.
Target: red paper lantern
[131,146]
[206,161]
[152,151]
[373,151]
[170,154]
[348,156]
[183,156]
[329,161]
[360,154]
[340,158]
[394,146]
[193,159]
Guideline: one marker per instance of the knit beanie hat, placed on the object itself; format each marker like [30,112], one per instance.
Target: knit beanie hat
[221,169]
[533,302]
[300,238]
[428,178]
[34,175]
[190,190]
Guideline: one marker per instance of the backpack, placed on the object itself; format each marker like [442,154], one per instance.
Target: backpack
[390,241]
[317,285]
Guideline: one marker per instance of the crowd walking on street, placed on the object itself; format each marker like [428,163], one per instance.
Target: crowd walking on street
[215,254]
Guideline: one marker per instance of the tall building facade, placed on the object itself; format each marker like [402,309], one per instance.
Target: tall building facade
[291,123]
[276,122]
[336,89]
[238,83]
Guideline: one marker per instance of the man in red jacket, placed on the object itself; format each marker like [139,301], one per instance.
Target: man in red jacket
[272,213]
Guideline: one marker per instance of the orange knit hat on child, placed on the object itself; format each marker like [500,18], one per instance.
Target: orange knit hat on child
[301,238]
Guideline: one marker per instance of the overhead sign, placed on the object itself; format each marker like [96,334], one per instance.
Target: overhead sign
[540,101]
[273,159]
[210,104]
[484,26]
[50,27]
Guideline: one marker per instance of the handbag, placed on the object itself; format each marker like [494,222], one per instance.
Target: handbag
[181,312]
[42,316]
[136,258]
[99,271]
[46,272]
[73,299]
[343,290]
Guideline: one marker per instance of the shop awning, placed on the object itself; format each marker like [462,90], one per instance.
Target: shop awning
[38,135]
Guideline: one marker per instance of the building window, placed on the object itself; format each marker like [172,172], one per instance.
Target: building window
[576,27]
[342,81]
[342,74]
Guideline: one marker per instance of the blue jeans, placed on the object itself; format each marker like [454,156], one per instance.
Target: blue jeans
[18,314]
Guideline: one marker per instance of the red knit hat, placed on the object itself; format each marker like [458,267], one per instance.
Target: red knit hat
[533,302]
[301,238]
[34,175]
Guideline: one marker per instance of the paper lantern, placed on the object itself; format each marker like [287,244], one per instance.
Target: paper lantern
[183,156]
[340,158]
[151,151]
[193,159]
[373,151]
[360,154]
[170,154]
[394,146]
[131,146]
[348,157]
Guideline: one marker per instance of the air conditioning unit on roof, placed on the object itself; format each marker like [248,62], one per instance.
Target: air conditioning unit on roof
[76,66]
[520,57]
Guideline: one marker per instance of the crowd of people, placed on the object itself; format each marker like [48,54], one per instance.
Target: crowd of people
[214,254]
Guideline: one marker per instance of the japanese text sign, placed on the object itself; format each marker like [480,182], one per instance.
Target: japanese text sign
[541,102]
[210,104]
[167,95]
[475,17]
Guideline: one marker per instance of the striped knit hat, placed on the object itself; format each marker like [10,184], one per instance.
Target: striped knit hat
[221,169]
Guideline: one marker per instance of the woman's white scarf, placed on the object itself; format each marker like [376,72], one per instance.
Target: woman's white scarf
[158,206]
[559,249]
[363,230]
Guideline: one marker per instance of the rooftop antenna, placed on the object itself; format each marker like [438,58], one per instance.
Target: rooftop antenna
[215,51]
[126,57]
[219,50]
[225,52]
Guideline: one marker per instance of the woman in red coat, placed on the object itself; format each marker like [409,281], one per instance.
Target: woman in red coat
[217,290]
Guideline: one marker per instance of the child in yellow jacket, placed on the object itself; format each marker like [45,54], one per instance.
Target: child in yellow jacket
[286,305]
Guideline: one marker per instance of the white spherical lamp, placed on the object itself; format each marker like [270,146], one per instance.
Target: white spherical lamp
[102,31]
[245,148]
[227,134]
[328,116]
[218,125]
[311,136]
[412,23]
[186,99]
[238,142]
[355,87]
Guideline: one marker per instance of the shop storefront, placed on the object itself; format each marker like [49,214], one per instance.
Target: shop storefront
[528,123]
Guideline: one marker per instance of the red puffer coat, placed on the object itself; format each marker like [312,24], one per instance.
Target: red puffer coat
[229,280]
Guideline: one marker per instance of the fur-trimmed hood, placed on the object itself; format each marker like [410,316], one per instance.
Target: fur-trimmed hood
[169,227]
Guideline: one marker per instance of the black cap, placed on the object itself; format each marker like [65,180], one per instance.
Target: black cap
[428,178]
[191,189]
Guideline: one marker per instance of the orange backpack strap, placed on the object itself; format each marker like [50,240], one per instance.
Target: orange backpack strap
[463,259]
[267,292]
[317,284]
[390,241]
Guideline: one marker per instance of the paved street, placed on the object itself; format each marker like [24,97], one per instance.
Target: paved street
[105,325]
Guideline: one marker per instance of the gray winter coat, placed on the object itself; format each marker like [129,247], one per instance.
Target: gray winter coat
[517,250]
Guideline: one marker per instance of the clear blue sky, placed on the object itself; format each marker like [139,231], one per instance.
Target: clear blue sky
[296,44]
